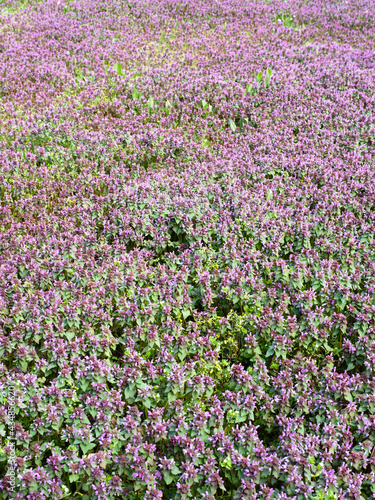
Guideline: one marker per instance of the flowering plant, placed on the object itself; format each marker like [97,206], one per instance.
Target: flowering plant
[187,253]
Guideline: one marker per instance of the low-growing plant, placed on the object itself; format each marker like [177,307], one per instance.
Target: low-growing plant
[187,253]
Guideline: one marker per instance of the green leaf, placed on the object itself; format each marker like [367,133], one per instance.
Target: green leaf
[56,425]
[87,447]
[270,351]
[168,478]
[232,125]
[227,462]
[175,470]
[185,313]
[348,396]
[147,403]
[118,68]
[182,353]
[249,88]
[241,417]
[268,77]
[209,391]
[69,334]
[129,391]
[172,397]
[342,302]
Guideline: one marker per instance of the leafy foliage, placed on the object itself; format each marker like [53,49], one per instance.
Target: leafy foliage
[187,253]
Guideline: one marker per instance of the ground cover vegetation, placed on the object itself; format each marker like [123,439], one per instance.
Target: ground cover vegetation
[187,256]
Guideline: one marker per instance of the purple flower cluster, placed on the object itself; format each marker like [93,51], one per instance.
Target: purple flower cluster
[187,249]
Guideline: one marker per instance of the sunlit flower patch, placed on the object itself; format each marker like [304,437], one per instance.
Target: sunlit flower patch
[187,252]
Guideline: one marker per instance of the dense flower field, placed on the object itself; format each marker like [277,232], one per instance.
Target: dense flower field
[187,250]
